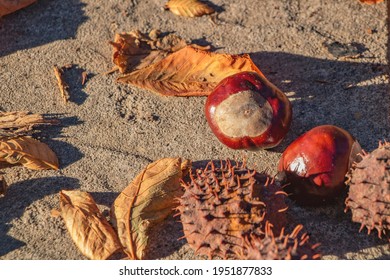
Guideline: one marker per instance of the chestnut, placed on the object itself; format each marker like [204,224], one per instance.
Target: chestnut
[246,111]
[316,163]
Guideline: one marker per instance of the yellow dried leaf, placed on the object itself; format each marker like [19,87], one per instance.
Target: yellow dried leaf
[10,6]
[28,152]
[188,8]
[148,200]
[89,230]
[189,72]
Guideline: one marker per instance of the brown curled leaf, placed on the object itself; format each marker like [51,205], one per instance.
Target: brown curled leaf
[21,123]
[148,200]
[10,6]
[188,8]
[3,185]
[128,51]
[189,72]
[28,152]
[90,231]
[136,50]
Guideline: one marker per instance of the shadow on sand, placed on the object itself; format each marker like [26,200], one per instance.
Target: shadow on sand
[333,92]
[15,202]
[41,23]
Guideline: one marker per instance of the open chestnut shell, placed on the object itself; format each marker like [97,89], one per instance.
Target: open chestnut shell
[246,111]
[315,165]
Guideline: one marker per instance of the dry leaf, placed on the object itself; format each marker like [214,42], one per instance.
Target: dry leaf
[84,77]
[54,213]
[153,57]
[370,2]
[21,123]
[63,86]
[128,51]
[188,8]
[89,230]
[135,50]
[28,152]
[189,72]
[10,6]
[157,55]
[3,185]
[148,200]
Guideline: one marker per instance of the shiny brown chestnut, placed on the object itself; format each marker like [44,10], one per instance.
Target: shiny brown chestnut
[316,163]
[246,111]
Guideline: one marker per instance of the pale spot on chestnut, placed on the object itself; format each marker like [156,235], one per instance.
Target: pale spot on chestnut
[244,114]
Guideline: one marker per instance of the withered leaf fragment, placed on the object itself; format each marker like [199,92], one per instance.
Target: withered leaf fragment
[3,185]
[147,201]
[84,77]
[63,86]
[89,230]
[370,2]
[21,123]
[188,8]
[28,152]
[10,6]
[136,50]
[189,72]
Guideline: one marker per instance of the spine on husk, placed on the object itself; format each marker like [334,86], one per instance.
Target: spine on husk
[369,191]
[222,206]
[293,246]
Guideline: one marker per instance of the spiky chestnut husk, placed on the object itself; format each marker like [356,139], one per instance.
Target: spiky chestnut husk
[221,206]
[369,191]
[293,246]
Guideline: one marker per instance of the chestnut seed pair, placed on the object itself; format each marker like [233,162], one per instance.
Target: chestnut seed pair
[246,111]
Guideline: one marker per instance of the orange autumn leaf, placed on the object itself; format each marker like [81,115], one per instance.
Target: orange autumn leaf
[90,231]
[370,2]
[28,152]
[10,6]
[189,72]
[188,8]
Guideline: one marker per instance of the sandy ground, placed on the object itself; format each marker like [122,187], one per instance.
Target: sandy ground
[109,132]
